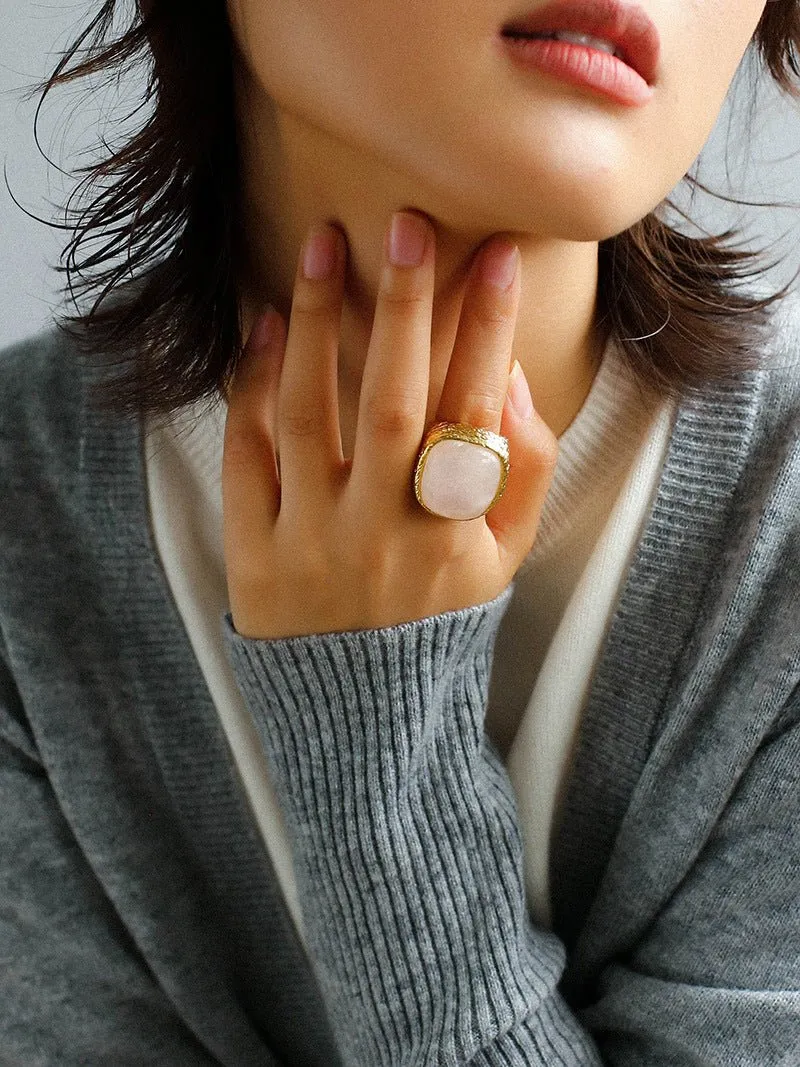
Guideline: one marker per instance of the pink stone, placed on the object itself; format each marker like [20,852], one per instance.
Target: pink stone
[460,479]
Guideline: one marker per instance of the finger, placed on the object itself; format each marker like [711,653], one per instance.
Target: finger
[474,390]
[394,387]
[308,432]
[250,486]
[533,452]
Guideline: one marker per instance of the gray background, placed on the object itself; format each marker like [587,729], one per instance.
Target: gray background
[758,162]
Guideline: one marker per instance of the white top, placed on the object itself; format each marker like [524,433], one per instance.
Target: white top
[548,641]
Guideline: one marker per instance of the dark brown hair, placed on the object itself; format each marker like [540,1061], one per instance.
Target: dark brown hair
[158,244]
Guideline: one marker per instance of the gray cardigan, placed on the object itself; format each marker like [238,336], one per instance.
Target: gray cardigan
[141,921]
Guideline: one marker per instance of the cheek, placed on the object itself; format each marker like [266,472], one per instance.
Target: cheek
[706,46]
[353,67]
[595,172]
[302,53]
[700,63]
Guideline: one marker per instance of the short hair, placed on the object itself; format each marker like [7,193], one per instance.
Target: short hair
[165,211]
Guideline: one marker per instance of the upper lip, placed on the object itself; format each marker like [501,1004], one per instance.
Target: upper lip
[627,26]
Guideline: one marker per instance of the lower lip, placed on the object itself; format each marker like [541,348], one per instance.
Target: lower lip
[581,65]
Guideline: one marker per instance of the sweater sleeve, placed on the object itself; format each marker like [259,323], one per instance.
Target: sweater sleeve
[408,860]
[406,844]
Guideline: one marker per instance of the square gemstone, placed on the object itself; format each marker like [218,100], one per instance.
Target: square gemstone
[460,479]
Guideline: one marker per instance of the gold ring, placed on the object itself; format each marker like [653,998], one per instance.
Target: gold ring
[466,476]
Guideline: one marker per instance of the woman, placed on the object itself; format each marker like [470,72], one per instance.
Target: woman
[364,702]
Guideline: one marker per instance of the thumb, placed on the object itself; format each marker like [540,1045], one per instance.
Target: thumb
[533,452]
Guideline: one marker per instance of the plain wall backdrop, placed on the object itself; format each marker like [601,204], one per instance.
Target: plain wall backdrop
[756,162]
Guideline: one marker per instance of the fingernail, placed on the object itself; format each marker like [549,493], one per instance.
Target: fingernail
[518,392]
[319,257]
[499,264]
[407,240]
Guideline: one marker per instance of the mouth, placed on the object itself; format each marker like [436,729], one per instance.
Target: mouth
[622,29]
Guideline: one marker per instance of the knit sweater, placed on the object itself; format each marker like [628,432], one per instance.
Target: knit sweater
[140,917]
[608,463]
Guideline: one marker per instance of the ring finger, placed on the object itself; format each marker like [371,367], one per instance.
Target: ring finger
[475,388]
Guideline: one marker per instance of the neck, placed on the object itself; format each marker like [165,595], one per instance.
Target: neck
[295,174]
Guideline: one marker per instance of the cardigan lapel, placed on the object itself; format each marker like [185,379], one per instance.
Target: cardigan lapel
[229,957]
[597,836]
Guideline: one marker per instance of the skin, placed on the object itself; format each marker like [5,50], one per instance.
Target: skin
[348,111]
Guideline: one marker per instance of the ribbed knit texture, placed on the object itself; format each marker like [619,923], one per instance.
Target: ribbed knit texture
[377,741]
[595,454]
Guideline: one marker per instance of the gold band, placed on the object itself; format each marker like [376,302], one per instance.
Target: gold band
[474,435]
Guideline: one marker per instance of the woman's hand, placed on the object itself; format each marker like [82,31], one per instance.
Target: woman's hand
[319,543]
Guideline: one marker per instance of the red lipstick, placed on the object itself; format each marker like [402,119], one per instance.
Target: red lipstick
[625,76]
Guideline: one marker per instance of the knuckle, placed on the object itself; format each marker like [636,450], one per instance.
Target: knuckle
[374,558]
[301,422]
[403,296]
[311,565]
[391,418]
[313,303]
[491,316]
[242,438]
[483,409]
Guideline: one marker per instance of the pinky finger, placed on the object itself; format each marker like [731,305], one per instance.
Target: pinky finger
[514,520]
[250,479]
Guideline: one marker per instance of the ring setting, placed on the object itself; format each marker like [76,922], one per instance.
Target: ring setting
[461,470]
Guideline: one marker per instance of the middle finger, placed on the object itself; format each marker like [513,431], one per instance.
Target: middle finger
[394,387]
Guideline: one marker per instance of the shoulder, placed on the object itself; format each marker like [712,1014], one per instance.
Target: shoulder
[780,364]
[772,472]
[45,357]
[744,470]
[42,392]
[748,427]
[51,425]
